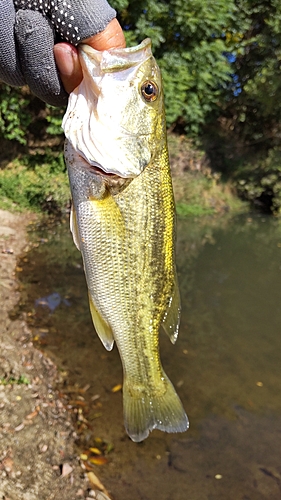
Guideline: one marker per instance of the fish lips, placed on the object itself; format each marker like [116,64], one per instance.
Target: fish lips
[99,169]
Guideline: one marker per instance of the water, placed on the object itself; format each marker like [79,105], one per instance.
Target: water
[226,364]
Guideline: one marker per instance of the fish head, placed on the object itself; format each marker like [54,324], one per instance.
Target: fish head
[115,117]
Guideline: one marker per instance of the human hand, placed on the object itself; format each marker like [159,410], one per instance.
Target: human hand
[29,30]
[66,55]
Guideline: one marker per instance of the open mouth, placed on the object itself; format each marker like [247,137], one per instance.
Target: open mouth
[97,169]
[114,182]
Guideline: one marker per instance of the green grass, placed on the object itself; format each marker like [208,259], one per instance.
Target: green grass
[33,186]
[21,380]
[185,210]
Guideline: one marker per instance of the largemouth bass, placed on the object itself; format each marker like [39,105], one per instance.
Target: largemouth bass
[123,222]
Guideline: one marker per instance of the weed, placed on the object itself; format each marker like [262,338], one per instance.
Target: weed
[21,380]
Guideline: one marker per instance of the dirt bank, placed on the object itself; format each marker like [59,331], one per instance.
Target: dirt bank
[38,459]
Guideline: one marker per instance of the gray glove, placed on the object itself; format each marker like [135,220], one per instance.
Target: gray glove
[28,31]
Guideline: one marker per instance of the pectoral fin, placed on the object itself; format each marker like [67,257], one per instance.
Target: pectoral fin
[171,319]
[74,227]
[102,328]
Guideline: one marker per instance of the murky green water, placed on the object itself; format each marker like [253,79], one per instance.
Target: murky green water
[226,364]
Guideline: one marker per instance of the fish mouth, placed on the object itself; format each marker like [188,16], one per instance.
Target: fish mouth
[96,168]
[115,183]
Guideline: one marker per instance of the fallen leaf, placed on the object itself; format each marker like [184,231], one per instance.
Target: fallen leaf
[109,447]
[77,402]
[96,396]
[66,470]
[116,388]
[32,415]
[95,482]
[19,427]
[98,460]
[96,451]
[85,465]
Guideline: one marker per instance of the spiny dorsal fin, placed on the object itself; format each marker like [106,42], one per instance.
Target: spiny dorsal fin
[74,227]
[171,319]
[102,328]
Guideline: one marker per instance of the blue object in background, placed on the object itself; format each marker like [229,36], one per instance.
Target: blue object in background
[52,301]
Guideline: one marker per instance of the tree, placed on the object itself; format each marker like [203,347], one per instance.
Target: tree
[189,42]
[256,108]
[248,139]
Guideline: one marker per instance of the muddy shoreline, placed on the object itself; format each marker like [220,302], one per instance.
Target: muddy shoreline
[38,458]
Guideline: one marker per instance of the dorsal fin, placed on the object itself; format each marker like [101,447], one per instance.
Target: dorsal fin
[102,328]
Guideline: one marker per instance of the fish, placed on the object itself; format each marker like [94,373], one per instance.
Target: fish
[123,222]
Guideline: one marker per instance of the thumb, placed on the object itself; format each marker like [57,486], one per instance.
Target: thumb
[112,37]
[66,55]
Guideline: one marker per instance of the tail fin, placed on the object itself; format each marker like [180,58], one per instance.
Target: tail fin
[143,413]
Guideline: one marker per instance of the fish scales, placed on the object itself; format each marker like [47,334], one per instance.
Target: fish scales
[124,223]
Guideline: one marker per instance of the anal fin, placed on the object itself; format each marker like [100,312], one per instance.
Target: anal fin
[102,328]
[171,319]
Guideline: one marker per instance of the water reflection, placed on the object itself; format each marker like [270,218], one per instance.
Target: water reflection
[225,365]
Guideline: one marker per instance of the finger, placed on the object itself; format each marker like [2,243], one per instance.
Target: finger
[67,58]
[35,41]
[68,64]
[112,37]
[10,70]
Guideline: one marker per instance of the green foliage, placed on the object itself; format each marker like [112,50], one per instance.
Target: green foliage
[262,181]
[36,185]
[54,118]
[247,143]
[14,116]
[256,110]
[198,190]
[188,41]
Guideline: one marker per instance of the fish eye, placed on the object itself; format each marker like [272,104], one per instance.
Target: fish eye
[149,91]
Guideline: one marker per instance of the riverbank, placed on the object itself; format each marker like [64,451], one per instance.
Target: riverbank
[37,436]
[37,181]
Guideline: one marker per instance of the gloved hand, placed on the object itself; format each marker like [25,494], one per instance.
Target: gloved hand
[30,28]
